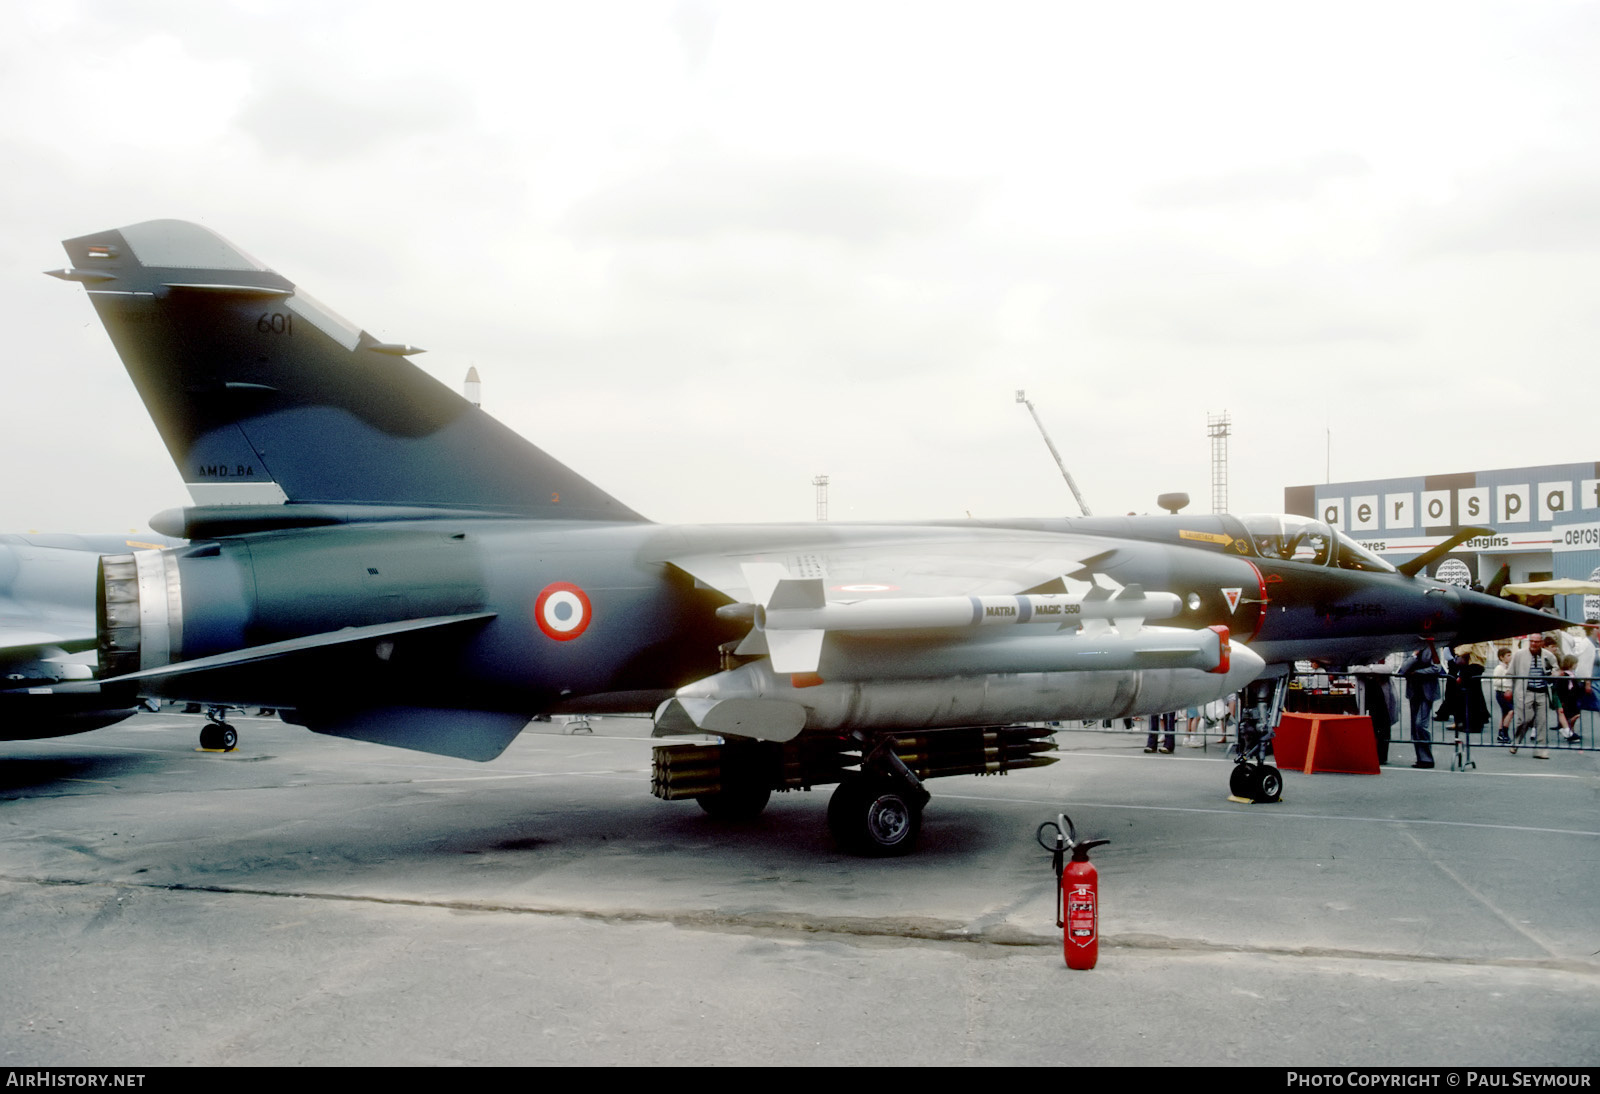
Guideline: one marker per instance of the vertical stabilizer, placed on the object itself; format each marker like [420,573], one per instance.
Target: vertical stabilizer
[263,395]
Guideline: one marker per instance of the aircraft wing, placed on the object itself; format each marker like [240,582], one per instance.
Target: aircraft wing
[941,588]
[20,639]
[47,590]
[916,566]
[44,647]
[843,623]
[47,635]
[47,605]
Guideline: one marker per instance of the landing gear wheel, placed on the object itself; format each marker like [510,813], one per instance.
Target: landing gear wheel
[1269,784]
[1242,782]
[735,803]
[875,817]
[749,772]
[1258,782]
[219,737]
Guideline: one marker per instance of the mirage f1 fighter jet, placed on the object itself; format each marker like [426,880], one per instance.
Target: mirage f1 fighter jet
[379,559]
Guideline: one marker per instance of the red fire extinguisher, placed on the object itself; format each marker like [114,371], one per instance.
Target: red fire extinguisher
[1077,894]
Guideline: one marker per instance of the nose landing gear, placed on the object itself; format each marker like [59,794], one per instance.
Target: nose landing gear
[1258,782]
[1253,777]
[218,735]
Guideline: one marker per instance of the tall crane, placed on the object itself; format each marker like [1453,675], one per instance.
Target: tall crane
[1022,397]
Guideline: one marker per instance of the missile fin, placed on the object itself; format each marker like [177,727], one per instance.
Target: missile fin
[798,592]
[753,644]
[795,651]
[763,578]
[762,719]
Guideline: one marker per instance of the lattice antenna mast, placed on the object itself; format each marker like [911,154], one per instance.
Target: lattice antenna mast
[1218,426]
[1022,397]
[821,483]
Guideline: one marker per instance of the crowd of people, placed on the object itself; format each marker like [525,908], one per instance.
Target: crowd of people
[1533,680]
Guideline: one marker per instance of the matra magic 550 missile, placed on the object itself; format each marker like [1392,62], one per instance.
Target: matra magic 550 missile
[789,626]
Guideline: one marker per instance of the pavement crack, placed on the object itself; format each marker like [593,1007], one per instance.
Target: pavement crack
[1488,904]
[907,930]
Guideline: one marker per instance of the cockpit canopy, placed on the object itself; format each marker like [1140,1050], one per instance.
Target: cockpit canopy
[1301,539]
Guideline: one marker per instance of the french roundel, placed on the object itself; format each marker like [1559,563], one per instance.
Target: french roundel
[562,611]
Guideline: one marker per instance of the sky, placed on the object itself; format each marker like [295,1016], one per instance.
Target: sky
[702,252]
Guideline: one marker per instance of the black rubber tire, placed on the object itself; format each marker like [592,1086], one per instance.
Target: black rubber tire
[843,806]
[738,803]
[1242,783]
[219,737]
[874,817]
[749,772]
[1269,784]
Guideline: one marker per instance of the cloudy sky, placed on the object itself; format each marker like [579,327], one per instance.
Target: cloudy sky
[704,251]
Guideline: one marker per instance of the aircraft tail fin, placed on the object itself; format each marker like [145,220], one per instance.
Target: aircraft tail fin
[263,395]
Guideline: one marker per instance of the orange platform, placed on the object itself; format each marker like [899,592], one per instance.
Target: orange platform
[1326,742]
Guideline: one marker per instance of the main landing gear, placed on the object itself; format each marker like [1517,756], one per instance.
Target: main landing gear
[876,808]
[877,813]
[218,735]
[749,769]
[876,816]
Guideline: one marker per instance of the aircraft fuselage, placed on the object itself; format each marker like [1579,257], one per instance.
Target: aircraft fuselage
[636,626]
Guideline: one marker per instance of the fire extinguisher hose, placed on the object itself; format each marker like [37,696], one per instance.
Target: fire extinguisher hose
[1057,846]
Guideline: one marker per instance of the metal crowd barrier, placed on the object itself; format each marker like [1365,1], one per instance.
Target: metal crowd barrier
[1458,721]
[1217,733]
[1341,693]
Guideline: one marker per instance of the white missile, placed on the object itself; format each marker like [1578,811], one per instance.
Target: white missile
[753,700]
[918,612]
[472,387]
[871,657]
[794,614]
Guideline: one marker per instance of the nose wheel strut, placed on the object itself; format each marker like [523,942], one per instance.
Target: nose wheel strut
[1253,777]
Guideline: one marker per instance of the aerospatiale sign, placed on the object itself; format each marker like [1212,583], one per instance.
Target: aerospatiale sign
[1523,505]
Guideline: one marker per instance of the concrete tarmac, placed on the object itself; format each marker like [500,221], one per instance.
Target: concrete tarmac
[312,900]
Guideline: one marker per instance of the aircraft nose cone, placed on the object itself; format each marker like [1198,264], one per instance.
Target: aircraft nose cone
[1482,618]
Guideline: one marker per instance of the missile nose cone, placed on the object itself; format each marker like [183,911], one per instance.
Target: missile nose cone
[1244,665]
[1483,618]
